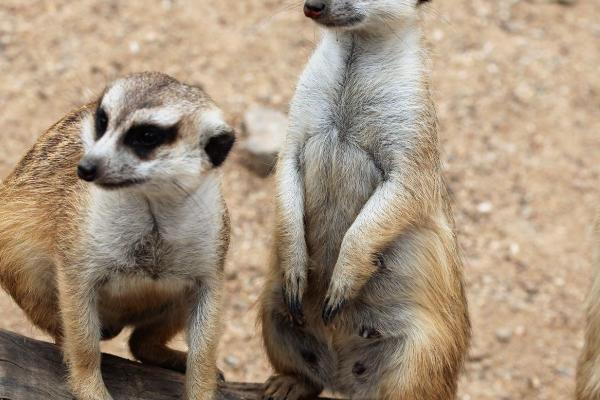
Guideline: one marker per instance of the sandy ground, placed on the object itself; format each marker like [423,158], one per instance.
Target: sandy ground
[518,93]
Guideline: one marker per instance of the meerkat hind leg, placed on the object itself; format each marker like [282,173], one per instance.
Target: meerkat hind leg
[362,363]
[393,369]
[304,363]
[32,286]
[148,343]
[42,310]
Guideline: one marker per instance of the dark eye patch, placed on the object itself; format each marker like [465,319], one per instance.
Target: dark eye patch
[144,139]
[101,122]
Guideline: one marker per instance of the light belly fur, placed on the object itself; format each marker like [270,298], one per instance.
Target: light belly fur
[340,177]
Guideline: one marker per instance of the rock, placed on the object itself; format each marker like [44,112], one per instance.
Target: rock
[503,335]
[265,129]
[134,47]
[520,330]
[514,249]
[232,361]
[485,207]
[564,371]
[476,356]
[534,382]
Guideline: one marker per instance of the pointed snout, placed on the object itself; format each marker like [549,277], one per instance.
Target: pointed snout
[88,170]
[314,8]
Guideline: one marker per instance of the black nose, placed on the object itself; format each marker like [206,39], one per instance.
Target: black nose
[314,8]
[87,171]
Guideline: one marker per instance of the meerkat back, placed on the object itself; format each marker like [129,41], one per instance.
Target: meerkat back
[39,201]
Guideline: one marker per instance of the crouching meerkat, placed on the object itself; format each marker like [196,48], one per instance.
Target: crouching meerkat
[588,369]
[365,293]
[141,243]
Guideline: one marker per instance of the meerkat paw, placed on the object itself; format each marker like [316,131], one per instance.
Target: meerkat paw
[289,387]
[346,282]
[293,290]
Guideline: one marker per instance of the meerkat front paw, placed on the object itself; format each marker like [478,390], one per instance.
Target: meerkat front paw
[294,284]
[288,387]
[352,271]
[341,288]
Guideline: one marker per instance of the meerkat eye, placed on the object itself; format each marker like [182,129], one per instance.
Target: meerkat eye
[101,122]
[143,139]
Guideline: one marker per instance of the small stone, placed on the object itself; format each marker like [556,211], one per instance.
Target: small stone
[476,356]
[524,92]
[232,361]
[266,129]
[534,382]
[134,47]
[485,207]
[503,335]
[231,275]
[520,330]
[564,371]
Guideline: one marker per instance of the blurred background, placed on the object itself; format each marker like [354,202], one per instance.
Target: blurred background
[517,87]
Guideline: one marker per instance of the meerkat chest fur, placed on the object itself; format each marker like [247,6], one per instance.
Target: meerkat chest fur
[144,242]
[357,95]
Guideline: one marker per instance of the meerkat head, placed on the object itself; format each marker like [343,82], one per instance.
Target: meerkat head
[358,14]
[148,131]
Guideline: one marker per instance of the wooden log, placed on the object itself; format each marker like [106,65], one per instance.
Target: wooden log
[34,370]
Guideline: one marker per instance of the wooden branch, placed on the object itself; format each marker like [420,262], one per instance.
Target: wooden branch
[33,370]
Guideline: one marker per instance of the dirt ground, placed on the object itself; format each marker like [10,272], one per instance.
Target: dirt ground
[518,93]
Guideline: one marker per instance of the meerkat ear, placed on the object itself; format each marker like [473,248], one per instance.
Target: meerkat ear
[219,146]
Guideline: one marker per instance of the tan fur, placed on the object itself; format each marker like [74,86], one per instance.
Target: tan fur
[365,294]
[588,369]
[51,266]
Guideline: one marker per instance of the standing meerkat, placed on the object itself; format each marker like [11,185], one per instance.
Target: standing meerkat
[143,246]
[365,294]
[588,368]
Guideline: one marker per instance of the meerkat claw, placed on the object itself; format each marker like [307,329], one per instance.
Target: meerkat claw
[295,309]
[369,333]
[331,310]
[293,299]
